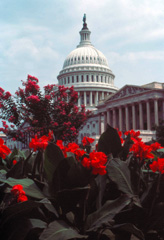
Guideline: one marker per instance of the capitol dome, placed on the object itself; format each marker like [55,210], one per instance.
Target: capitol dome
[87,69]
[86,55]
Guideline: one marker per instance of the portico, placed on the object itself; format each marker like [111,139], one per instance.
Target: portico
[133,107]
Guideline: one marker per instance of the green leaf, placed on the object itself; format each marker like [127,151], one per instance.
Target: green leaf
[129,227]
[59,230]
[119,173]
[160,150]
[52,158]
[37,223]
[104,216]
[29,186]
[18,209]
[109,142]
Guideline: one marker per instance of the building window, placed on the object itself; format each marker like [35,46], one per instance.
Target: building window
[72,79]
[101,79]
[87,78]
[92,78]
[68,79]
[77,78]
[94,125]
[82,78]
[88,126]
[97,78]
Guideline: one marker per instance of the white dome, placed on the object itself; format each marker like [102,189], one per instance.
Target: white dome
[86,54]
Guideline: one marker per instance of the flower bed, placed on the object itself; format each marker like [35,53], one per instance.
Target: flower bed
[57,191]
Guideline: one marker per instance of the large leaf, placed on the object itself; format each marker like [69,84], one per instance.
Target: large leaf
[109,142]
[104,216]
[68,175]
[52,158]
[18,209]
[119,173]
[29,186]
[128,227]
[60,230]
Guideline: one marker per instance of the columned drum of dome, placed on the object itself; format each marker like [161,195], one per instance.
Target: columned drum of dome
[87,69]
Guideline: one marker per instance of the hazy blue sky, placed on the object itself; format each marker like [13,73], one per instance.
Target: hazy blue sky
[37,35]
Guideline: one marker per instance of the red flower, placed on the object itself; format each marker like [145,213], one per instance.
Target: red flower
[72,147]
[39,143]
[96,162]
[18,192]
[17,189]
[134,135]
[87,141]
[157,165]
[62,147]
[141,150]
[4,150]
[14,162]
[33,99]
[22,198]
[7,95]
[155,146]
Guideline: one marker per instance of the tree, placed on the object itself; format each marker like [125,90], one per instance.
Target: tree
[30,110]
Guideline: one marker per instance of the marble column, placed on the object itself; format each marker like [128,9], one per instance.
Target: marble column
[85,99]
[133,117]
[140,116]
[96,98]
[148,115]
[156,118]
[120,119]
[90,98]
[127,118]
[114,117]
[102,97]
[108,117]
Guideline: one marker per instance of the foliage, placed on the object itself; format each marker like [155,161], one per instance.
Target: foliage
[30,111]
[61,191]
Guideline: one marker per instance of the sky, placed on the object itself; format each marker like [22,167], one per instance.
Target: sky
[37,35]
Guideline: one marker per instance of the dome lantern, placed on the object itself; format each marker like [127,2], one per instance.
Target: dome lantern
[84,34]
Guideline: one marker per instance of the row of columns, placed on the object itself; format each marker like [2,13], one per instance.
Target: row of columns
[132,116]
[87,78]
[92,94]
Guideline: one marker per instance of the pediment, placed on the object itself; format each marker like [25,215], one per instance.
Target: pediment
[127,91]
